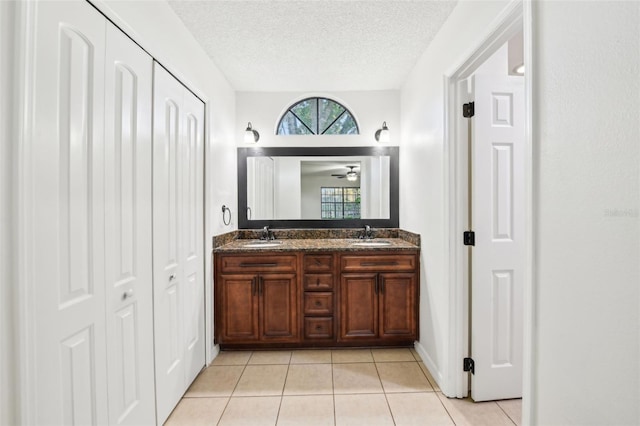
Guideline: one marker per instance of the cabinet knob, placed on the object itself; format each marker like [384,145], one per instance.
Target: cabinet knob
[317,281]
[318,303]
[318,327]
[127,294]
[172,277]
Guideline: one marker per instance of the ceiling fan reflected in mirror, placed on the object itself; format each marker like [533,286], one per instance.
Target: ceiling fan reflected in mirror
[351,175]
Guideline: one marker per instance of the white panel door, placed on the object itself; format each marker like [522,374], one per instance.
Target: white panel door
[67,216]
[178,126]
[128,232]
[192,232]
[498,221]
[260,184]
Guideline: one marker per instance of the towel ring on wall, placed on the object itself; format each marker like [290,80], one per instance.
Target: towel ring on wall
[226,209]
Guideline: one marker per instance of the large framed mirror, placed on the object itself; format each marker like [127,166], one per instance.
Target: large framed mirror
[318,187]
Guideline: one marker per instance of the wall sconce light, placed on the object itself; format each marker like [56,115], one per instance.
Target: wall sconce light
[250,135]
[382,135]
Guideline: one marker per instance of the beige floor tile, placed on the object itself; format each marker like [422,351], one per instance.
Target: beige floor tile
[261,380]
[251,411]
[315,410]
[418,409]
[232,358]
[309,379]
[466,412]
[356,378]
[215,381]
[358,410]
[392,355]
[270,357]
[513,408]
[311,357]
[426,372]
[340,356]
[197,412]
[402,377]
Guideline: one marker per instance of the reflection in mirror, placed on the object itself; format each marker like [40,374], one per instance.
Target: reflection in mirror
[328,187]
[319,188]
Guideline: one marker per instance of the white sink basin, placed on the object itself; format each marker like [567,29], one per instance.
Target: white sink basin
[371,243]
[258,243]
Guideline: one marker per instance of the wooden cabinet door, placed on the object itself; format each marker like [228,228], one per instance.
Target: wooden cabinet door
[239,308]
[358,306]
[278,307]
[397,305]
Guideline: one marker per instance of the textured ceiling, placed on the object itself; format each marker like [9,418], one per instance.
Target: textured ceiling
[314,45]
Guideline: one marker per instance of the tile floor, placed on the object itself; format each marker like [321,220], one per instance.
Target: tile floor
[329,387]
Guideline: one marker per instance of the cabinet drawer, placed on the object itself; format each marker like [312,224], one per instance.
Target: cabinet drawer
[317,303]
[318,328]
[318,282]
[276,263]
[318,262]
[377,263]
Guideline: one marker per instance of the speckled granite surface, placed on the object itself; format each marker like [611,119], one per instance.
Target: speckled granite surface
[315,240]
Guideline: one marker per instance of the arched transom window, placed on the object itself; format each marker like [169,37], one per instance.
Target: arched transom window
[317,116]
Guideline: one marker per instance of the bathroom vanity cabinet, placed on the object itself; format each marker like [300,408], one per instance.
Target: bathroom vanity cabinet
[305,298]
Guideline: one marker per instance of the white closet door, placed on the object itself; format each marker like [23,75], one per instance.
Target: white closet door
[65,208]
[128,236]
[177,247]
[192,232]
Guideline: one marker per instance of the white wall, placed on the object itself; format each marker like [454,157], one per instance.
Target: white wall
[587,155]
[370,109]
[7,342]
[421,170]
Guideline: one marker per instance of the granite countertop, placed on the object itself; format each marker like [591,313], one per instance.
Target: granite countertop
[315,240]
[315,244]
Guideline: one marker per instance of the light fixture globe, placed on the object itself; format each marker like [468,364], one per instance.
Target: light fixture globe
[382,135]
[250,135]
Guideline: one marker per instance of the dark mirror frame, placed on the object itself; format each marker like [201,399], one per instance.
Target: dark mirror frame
[391,222]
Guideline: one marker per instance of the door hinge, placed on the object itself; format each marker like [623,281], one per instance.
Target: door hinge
[469,365]
[468,110]
[469,238]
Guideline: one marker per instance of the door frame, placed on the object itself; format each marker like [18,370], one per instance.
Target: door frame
[516,15]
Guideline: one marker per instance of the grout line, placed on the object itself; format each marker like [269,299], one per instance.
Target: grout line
[445,407]
[244,367]
[506,414]
[284,384]
[384,392]
[333,392]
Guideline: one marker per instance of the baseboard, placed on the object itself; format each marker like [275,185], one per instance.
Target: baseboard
[428,362]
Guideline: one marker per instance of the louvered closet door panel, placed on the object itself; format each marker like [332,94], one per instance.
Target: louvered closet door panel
[66,205]
[128,268]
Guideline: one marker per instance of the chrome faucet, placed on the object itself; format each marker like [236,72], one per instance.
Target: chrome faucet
[266,234]
[368,233]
